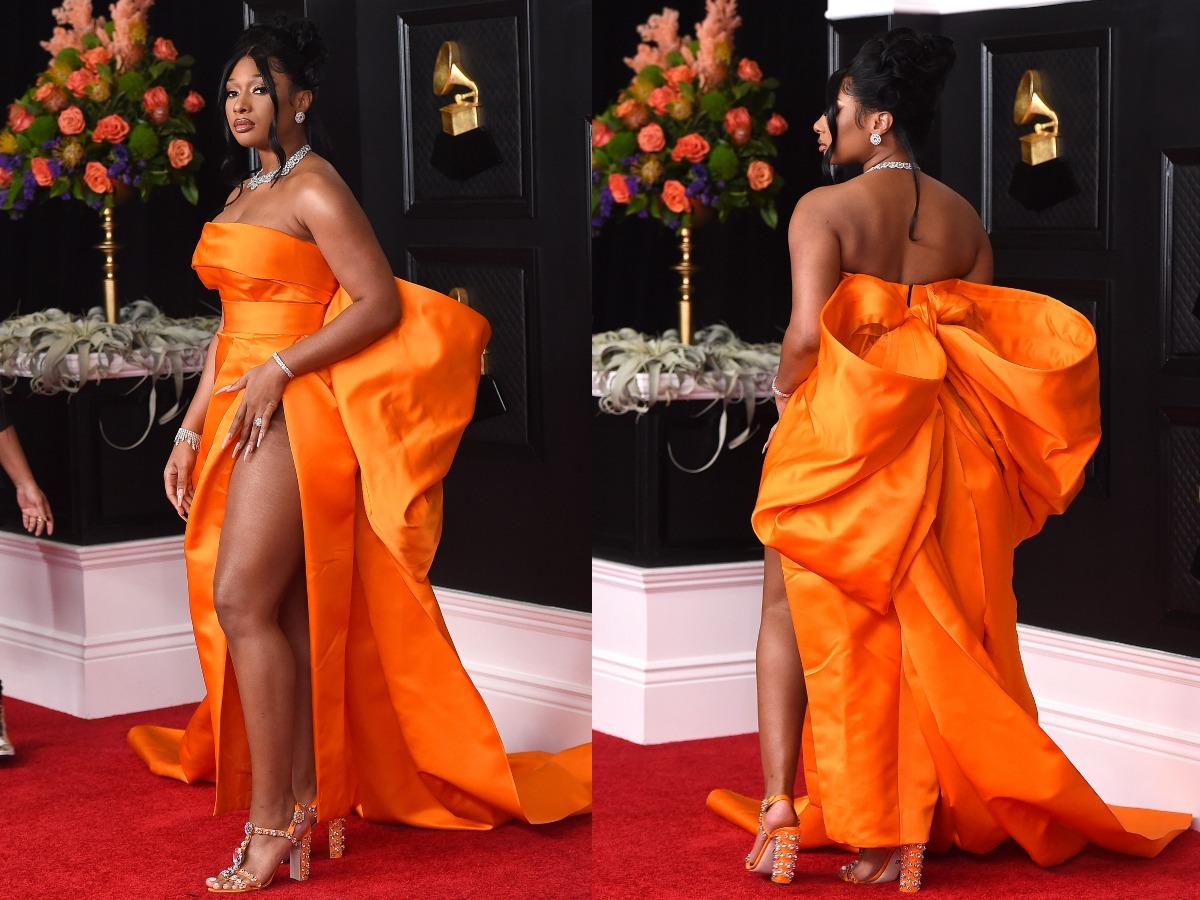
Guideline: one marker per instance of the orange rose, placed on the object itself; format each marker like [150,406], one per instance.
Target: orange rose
[619,187]
[51,96]
[193,102]
[662,97]
[80,80]
[5,178]
[155,98]
[601,133]
[760,175]
[40,167]
[676,74]
[748,70]
[737,125]
[675,196]
[691,147]
[179,152]
[70,120]
[632,113]
[97,56]
[95,176]
[776,125]
[164,49]
[111,128]
[651,138]
[19,118]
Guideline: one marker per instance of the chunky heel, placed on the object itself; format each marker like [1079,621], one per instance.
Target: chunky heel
[912,860]
[337,838]
[777,855]
[300,859]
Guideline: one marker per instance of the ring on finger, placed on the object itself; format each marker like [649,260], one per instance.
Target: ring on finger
[258,421]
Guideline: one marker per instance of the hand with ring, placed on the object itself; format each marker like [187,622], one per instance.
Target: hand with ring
[35,509]
[262,388]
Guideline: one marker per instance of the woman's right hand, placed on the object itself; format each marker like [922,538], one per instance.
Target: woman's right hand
[177,478]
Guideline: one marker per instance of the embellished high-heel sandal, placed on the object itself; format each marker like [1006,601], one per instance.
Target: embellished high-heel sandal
[238,880]
[777,854]
[337,832]
[904,864]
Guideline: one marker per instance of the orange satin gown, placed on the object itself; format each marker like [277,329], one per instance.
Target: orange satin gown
[401,733]
[929,441]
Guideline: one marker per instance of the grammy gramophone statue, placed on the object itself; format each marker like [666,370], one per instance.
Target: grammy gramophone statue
[463,148]
[1041,179]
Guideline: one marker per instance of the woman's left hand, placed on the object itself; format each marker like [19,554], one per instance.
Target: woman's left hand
[262,389]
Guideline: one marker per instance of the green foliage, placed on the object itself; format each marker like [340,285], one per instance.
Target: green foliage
[143,142]
[723,162]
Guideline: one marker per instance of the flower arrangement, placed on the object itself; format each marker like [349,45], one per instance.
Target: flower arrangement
[111,111]
[694,130]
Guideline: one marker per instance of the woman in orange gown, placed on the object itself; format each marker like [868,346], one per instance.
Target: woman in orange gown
[929,423]
[333,685]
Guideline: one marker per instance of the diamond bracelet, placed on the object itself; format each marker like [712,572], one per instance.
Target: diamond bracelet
[283,365]
[184,436]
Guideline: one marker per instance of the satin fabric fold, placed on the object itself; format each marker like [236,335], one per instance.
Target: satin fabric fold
[929,441]
[401,733]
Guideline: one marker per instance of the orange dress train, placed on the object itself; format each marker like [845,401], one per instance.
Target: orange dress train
[401,733]
[929,441]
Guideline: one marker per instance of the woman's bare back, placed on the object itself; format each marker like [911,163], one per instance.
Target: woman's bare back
[871,218]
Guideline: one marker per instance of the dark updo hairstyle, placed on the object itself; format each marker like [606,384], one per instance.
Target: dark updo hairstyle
[294,48]
[901,73]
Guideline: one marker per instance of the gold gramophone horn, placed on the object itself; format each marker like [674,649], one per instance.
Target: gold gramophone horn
[1042,144]
[463,114]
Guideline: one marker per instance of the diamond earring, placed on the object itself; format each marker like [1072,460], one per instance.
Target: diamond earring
[875,138]
[299,116]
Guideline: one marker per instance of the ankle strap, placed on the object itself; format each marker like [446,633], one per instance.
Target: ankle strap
[290,834]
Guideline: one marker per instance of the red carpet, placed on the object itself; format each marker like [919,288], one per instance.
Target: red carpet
[654,837]
[80,817]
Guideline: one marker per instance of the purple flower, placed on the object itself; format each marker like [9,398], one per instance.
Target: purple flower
[595,176]
[29,185]
[720,185]
[699,172]
[695,188]
[633,183]
[50,144]
[643,214]
[606,202]
[120,152]
[629,160]
[8,161]
[597,222]
[55,167]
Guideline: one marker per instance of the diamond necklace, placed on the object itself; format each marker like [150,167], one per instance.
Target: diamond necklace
[891,164]
[260,178]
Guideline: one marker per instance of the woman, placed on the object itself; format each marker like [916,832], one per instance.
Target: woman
[36,517]
[929,423]
[309,469]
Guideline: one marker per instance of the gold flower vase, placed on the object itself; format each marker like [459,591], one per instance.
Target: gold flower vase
[686,268]
[109,248]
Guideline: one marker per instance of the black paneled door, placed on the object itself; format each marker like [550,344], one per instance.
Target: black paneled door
[1122,245]
[501,212]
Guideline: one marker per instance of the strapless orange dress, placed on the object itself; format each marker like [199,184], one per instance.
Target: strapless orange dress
[929,441]
[401,733]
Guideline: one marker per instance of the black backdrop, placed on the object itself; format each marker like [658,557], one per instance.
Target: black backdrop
[744,279]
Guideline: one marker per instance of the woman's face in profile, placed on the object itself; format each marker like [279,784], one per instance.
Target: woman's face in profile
[853,143]
[248,107]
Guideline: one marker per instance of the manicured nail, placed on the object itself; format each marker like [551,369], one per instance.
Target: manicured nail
[236,448]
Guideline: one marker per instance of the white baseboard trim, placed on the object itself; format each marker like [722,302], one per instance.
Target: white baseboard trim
[104,630]
[1126,716]
[531,663]
[857,9]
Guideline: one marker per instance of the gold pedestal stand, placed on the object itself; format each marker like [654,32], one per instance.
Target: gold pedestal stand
[685,270]
[109,248]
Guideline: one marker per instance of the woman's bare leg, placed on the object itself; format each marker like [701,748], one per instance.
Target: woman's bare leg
[293,619]
[781,694]
[260,552]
